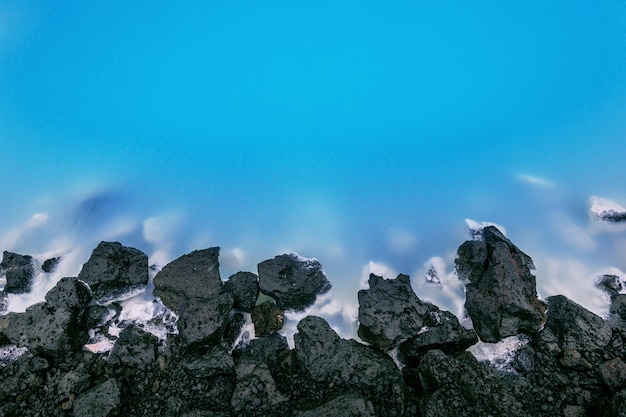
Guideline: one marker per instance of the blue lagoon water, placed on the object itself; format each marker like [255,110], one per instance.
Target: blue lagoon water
[361,134]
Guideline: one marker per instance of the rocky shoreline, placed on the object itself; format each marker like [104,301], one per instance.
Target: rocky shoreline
[412,360]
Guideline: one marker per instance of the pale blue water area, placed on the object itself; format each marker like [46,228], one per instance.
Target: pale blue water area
[358,133]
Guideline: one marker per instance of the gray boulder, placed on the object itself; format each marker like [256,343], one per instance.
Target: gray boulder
[390,312]
[245,289]
[342,406]
[501,295]
[618,305]
[256,392]
[267,318]
[216,361]
[100,401]
[4,302]
[576,327]
[610,284]
[204,321]
[194,276]
[19,272]
[443,332]
[50,265]
[69,293]
[134,348]
[294,282]
[113,270]
[327,358]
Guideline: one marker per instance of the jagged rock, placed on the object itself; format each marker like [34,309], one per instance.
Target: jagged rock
[613,374]
[454,388]
[204,321]
[294,282]
[613,406]
[134,348]
[445,334]
[390,312]
[501,295]
[51,264]
[327,358]
[69,293]
[267,318]
[113,270]
[342,406]
[256,392]
[576,327]
[204,413]
[19,272]
[618,305]
[43,330]
[233,330]
[100,401]
[266,349]
[610,284]
[245,289]
[194,276]
[216,361]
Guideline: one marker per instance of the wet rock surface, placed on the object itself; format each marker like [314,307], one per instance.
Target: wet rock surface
[245,289]
[501,295]
[114,269]
[292,281]
[19,272]
[575,365]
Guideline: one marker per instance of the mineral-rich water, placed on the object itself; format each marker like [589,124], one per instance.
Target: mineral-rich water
[361,134]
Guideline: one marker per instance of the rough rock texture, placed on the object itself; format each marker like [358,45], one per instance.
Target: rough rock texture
[575,366]
[19,272]
[575,327]
[50,265]
[618,305]
[195,275]
[327,358]
[267,318]
[294,282]
[390,312]
[204,321]
[443,332]
[4,302]
[245,289]
[114,269]
[611,284]
[501,295]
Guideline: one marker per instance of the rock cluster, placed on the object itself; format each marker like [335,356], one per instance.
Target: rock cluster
[415,362]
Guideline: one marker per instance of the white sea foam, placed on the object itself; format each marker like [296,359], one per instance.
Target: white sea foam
[500,354]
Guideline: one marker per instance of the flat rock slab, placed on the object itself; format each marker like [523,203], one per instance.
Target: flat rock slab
[113,270]
[294,282]
[195,275]
[501,293]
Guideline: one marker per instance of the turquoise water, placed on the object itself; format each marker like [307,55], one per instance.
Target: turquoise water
[357,133]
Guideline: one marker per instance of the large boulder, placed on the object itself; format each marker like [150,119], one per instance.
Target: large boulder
[294,282]
[100,401]
[19,272]
[113,270]
[327,358]
[501,294]
[343,406]
[390,312]
[245,289]
[69,293]
[442,331]
[194,276]
[267,318]
[256,392]
[204,321]
[576,327]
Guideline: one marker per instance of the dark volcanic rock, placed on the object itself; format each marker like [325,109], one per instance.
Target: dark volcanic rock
[114,269]
[294,282]
[266,349]
[576,327]
[195,275]
[19,272]
[446,334]
[390,312]
[327,358]
[256,392]
[501,295]
[610,284]
[50,265]
[69,293]
[267,318]
[100,401]
[245,289]
[4,302]
[135,347]
[618,305]
[204,321]
[342,406]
